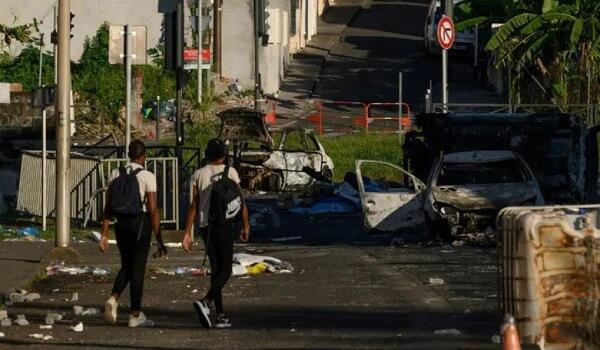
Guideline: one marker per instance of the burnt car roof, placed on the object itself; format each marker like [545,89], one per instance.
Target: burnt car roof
[244,124]
[479,156]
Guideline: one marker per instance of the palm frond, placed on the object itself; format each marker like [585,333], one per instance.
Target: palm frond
[509,30]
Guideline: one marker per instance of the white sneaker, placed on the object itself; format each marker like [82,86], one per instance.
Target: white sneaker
[140,321]
[110,310]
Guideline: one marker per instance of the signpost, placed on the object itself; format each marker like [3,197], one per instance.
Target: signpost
[445,37]
[127,44]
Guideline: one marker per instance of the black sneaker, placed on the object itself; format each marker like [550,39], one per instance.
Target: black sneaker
[203,312]
[222,322]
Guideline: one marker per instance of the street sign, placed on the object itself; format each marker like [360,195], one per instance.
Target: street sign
[116,44]
[191,55]
[445,32]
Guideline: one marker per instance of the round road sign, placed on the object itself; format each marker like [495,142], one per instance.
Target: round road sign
[445,32]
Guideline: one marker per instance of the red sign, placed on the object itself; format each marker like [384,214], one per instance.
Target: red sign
[446,32]
[191,55]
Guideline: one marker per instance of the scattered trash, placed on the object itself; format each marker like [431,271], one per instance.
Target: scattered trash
[77,310]
[271,264]
[436,281]
[467,311]
[1,335]
[75,296]
[17,296]
[3,314]
[28,232]
[496,339]
[182,270]
[173,244]
[48,337]
[286,239]
[451,331]
[5,322]
[60,268]
[194,291]
[458,243]
[21,320]
[45,326]
[238,270]
[32,296]
[55,290]
[96,236]
[51,318]
[78,328]
[36,336]
[90,312]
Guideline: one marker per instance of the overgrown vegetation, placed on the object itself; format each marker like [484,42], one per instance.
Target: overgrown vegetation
[551,47]
[346,149]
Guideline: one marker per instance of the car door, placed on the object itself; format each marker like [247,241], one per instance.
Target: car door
[392,198]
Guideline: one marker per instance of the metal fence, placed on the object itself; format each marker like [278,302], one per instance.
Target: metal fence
[88,181]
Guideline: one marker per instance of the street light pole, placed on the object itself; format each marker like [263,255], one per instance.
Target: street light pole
[63,130]
[257,8]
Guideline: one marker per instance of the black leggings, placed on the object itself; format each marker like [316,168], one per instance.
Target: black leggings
[133,246]
[218,241]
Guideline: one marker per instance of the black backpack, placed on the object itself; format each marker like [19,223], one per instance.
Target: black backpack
[124,195]
[225,200]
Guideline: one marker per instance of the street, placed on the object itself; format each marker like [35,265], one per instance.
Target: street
[348,290]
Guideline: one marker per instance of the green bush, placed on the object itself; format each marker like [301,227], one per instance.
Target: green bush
[24,68]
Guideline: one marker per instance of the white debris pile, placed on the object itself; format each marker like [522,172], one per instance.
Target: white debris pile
[61,268]
[41,336]
[436,281]
[51,318]
[451,331]
[21,320]
[78,327]
[21,296]
[255,264]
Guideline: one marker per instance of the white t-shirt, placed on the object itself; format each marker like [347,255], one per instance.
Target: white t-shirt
[146,180]
[203,179]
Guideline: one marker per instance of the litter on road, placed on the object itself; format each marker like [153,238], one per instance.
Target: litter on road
[182,270]
[436,281]
[21,321]
[78,328]
[60,268]
[6,322]
[264,264]
[286,239]
[90,312]
[451,331]
[77,310]
[45,326]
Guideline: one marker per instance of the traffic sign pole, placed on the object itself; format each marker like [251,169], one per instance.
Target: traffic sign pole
[445,36]
[445,80]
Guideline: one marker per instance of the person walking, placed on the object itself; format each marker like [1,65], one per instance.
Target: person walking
[131,199]
[217,200]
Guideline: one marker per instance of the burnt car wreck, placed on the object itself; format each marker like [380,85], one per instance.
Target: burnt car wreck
[272,160]
[461,169]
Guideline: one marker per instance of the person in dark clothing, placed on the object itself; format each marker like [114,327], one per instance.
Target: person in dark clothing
[133,236]
[218,238]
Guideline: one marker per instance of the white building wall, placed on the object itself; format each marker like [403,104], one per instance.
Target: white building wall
[89,16]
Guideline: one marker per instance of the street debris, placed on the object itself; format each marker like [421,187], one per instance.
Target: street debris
[28,232]
[45,326]
[51,318]
[21,320]
[436,281]
[90,312]
[256,264]
[78,327]
[75,296]
[5,322]
[286,239]
[451,331]
[182,270]
[1,335]
[496,339]
[41,336]
[60,268]
[77,310]
[173,244]
[3,314]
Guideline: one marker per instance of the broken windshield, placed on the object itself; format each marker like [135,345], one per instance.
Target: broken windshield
[482,173]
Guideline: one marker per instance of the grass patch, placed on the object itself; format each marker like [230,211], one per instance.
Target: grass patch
[346,149]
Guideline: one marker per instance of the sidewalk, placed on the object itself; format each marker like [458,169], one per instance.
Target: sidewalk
[305,67]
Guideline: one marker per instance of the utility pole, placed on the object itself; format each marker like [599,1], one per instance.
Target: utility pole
[257,32]
[127,57]
[199,23]
[63,139]
[179,44]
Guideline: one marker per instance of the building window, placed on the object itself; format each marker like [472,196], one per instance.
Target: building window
[293,10]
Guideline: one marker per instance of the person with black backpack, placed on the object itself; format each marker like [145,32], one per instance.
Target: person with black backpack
[217,198]
[131,200]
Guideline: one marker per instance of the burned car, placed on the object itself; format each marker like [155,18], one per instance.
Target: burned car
[276,160]
[466,190]
[464,193]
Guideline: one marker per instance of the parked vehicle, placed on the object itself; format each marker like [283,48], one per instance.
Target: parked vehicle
[464,41]
[275,160]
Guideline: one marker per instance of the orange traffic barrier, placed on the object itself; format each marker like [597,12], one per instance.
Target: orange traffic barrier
[404,122]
